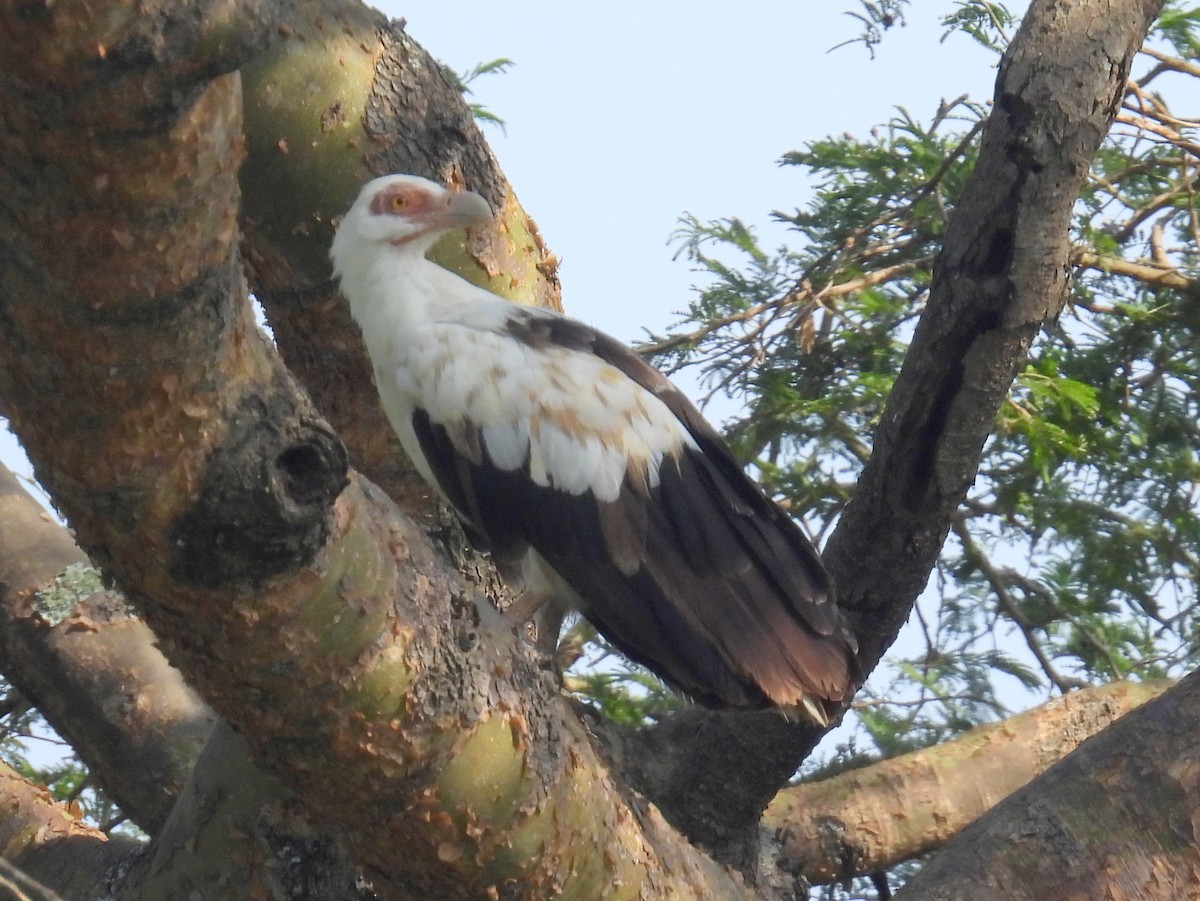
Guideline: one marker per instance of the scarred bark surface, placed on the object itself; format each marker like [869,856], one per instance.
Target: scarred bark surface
[360,669]
[363,673]
[38,835]
[1001,275]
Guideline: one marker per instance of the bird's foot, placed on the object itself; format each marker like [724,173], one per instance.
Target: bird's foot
[544,615]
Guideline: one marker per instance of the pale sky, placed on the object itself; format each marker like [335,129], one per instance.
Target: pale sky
[622,116]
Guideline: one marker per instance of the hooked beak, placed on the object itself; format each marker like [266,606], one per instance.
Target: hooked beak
[462,210]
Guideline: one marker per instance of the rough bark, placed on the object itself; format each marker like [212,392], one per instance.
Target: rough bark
[1000,276]
[96,674]
[328,631]
[319,623]
[237,832]
[866,820]
[1114,821]
[38,835]
[90,666]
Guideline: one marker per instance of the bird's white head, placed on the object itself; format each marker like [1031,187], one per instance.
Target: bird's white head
[405,212]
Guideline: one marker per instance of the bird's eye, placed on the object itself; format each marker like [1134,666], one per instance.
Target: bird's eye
[399,201]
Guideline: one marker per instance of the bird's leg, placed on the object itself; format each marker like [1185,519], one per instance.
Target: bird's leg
[549,628]
[545,613]
[523,608]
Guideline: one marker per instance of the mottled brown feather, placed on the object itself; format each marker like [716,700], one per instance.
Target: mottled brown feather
[700,577]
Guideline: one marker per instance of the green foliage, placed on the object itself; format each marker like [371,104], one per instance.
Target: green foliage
[987,23]
[462,81]
[810,341]
[876,18]
[1076,554]
[1179,25]
[619,690]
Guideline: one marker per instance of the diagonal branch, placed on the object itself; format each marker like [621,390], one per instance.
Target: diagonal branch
[94,672]
[90,667]
[1009,607]
[869,819]
[1000,276]
[1156,276]
[1113,819]
[49,845]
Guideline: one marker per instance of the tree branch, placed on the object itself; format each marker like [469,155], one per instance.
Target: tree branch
[1157,276]
[90,667]
[94,672]
[870,819]
[236,831]
[1173,63]
[1009,607]
[52,847]
[317,621]
[1067,834]
[1000,276]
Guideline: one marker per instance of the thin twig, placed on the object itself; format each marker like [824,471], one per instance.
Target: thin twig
[21,887]
[1007,604]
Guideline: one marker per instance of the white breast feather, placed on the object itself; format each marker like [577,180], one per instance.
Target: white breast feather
[507,443]
[440,344]
[579,421]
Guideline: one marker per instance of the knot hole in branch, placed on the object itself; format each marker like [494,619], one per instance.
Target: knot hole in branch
[265,498]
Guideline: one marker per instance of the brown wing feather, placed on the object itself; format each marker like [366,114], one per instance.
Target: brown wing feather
[770,534]
[701,578]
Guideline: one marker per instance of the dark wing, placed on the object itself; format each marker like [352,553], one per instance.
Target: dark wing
[695,574]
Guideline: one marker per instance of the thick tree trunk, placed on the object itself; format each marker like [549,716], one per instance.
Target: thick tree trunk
[324,627]
[37,836]
[1000,276]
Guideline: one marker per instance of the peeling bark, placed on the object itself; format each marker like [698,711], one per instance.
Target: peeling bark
[47,843]
[363,673]
[867,820]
